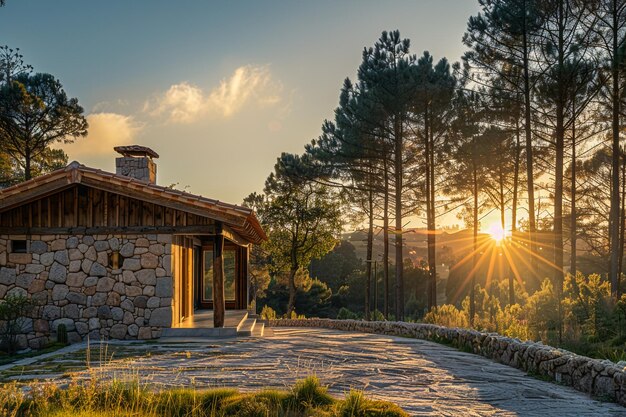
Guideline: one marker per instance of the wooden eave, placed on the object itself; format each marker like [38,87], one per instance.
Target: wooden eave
[241,219]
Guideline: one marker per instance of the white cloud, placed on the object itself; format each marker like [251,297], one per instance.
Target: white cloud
[187,103]
[106,130]
[181,103]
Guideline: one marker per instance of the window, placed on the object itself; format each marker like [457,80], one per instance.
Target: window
[230,275]
[115,259]
[207,278]
[19,246]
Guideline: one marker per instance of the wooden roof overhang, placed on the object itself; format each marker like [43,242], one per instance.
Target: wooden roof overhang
[239,222]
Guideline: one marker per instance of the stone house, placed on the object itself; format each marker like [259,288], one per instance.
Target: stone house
[118,256]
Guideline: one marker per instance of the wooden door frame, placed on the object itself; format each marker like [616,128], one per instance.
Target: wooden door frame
[240,281]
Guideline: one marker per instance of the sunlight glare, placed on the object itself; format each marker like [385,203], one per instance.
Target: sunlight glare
[496,232]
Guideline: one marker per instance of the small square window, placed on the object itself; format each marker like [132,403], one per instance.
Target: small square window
[115,260]
[19,246]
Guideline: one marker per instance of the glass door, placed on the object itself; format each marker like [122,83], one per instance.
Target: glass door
[230,276]
[207,278]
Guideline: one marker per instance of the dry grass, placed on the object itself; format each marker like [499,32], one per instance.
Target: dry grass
[93,398]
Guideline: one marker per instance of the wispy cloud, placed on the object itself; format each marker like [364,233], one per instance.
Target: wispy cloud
[187,103]
[106,130]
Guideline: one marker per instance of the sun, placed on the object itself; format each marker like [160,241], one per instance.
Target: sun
[496,232]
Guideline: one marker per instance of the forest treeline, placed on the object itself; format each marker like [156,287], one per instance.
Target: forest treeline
[528,125]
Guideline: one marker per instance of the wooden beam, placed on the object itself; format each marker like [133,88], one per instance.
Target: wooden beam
[219,302]
[233,236]
[105,230]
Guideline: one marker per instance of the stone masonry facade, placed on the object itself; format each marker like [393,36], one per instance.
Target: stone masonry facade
[602,379]
[70,280]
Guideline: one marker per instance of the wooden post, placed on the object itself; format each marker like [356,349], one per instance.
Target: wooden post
[246,275]
[219,303]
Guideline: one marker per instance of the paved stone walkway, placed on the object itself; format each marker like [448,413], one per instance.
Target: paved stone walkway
[425,378]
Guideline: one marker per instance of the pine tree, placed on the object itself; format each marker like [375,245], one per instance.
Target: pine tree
[385,73]
[502,42]
[432,112]
[608,21]
[35,113]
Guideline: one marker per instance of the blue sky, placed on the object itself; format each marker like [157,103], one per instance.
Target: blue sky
[218,89]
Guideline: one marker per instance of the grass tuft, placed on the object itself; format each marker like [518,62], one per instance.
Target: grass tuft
[357,405]
[94,398]
[308,393]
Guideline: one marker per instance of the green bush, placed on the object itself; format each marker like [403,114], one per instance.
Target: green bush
[62,334]
[447,315]
[377,316]
[268,313]
[345,314]
[14,311]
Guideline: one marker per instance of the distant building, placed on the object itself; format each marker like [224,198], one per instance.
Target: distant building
[118,256]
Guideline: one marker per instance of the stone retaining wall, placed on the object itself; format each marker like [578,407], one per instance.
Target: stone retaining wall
[70,281]
[602,379]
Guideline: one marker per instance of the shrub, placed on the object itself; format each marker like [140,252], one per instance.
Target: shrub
[414,309]
[13,319]
[447,315]
[268,313]
[345,314]
[62,334]
[377,316]
[296,316]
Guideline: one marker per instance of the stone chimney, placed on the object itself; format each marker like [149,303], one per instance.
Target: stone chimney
[136,162]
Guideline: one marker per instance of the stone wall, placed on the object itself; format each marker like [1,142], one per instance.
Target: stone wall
[603,379]
[71,281]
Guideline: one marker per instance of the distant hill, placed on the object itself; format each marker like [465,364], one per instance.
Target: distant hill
[450,244]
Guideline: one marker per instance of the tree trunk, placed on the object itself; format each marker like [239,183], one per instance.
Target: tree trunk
[291,306]
[573,223]
[515,179]
[27,165]
[386,235]
[472,311]
[558,174]
[529,146]
[399,260]
[622,227]
[428,184]
[516,166]
[502,202]
[432,237]
[370,242]
[615,209]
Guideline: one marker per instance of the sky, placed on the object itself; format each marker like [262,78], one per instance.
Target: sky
[218,88]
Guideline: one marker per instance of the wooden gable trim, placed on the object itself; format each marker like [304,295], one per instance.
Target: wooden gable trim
[28,196]
[163,201]
[169,202]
